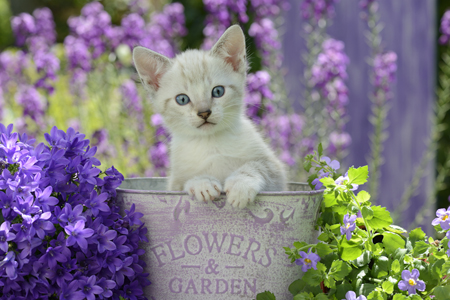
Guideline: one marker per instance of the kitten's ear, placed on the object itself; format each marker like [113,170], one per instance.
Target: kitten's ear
[231,47]
[150,66]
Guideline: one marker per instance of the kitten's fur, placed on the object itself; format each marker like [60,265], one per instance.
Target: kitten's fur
[230,154]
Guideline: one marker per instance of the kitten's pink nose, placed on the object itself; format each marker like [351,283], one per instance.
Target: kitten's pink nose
[204,114]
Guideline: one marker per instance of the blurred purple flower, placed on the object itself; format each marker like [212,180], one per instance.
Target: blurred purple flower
[308,260]
[349,226]
[316,182]
[351,295]
[159,156]
[45,25]
[140,7]
[257,90]
[131,97]
[32,103]
[315,10]
[385,68]
[23,26]
[411,282]
[266,39]
[339,141]
[445,28]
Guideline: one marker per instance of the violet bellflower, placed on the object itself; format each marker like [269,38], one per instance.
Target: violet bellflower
[411,282]
[258,90]
[43,198]
[308,260]
[443,218]
[351,295]
[349,226]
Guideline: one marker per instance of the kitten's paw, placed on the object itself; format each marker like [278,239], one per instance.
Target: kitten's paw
[203,188]
[239,192]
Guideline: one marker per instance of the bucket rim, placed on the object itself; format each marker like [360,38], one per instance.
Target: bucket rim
[271,193]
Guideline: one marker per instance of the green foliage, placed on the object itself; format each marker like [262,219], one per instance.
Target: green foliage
[371,262]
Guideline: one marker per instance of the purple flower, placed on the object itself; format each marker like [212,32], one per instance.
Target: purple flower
[68,292]
[52,256]
[351,295]
[316,182]
[340,182]
[308,261]
[5,236]
[131,96]
[411,282]
[9,264]
[104,237]
[133,217]
[317,9]
[349,226]
[96,203]
[88,288]
[266,39]
[78,234]
[385,68]
[23,26]
[443,218]
[445,28]
[332,164]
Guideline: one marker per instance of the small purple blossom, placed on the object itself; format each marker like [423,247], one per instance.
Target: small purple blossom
[308,260]
[349,226]
[342,179]
[351,295]
[5,236]
[88,288]
[411,282]
[78,234]
[443,218]
[385,68]
[316,182]
[445,28]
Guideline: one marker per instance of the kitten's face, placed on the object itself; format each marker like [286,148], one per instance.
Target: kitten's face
[198,92]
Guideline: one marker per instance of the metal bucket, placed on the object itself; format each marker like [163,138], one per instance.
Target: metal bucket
[200,250]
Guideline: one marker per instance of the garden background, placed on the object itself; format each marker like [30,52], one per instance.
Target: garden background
[369,79]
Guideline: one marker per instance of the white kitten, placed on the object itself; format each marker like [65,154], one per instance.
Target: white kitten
[200,96]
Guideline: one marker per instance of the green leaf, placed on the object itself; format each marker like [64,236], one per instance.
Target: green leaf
[392,241]
[446,268]
[329,200]
[323,249]
[328,182]
[363,196]
[381,267]
[299,245]
[358,176]
[367,212]
[350,250]
[420,248]
[265,296]
[366,289]
[399,254]
[323,237]
[297,286]
[415,297]
[377,295]
[399,297]
[304,296]
[320,150]
[442,292]
[363,259]
[314,277]
[339,269]
[396,229]
[395,267]
[437,268]
[388,287]
[307,165]
[329,281]
[321,297]
[416,235]
[381,218]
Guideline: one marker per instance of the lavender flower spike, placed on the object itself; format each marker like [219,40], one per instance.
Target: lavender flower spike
[349,226]
[443,218]
[351,295]
[78,234]
[411,282]
[308,261]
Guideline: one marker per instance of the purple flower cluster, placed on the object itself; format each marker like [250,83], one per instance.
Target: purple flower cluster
[385,67]
[132,100]
[351,295]
[411,282]
[257,90]
[349,226]
[159,152]
[285,132]
[315,10]
[445,28]
[38,33]
[266,39]
[61,233]
[220,16]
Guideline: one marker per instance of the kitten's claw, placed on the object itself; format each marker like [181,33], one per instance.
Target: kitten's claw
[203,185]
[239,192]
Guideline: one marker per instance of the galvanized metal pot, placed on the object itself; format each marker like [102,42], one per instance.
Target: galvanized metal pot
[200,250]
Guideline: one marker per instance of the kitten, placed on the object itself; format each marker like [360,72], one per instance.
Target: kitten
[214,145]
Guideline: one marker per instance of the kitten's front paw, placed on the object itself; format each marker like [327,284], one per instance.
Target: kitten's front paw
[239,192]
[203,188]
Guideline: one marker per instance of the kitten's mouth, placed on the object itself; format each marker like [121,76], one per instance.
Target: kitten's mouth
[206,123]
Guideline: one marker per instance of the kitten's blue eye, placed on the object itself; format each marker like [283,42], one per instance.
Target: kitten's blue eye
[218,91]
[182,99]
